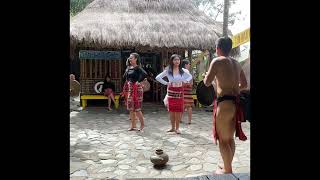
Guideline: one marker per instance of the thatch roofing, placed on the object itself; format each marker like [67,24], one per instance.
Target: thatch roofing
[154,23]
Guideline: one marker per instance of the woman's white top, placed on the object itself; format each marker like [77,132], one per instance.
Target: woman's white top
[186,77]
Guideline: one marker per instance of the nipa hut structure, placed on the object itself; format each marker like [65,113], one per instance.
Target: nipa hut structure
[104,34]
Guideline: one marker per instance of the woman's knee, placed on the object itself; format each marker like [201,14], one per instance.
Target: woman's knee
[225,138]
[139,113]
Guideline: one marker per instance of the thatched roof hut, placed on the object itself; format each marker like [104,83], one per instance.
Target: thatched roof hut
[155,28]
[153,23]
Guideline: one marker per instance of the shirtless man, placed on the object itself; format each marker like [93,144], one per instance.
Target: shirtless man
[229,79]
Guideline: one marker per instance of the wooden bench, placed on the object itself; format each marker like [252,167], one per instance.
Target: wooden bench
[84,99]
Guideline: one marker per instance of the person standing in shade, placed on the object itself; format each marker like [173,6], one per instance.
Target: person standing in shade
[133,89]
[108,90]
[176,75]
[187,92]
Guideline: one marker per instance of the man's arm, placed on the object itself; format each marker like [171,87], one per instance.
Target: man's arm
[211,73]
[243,81]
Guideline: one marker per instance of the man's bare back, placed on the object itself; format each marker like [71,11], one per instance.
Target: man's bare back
[227,75]
[229,79]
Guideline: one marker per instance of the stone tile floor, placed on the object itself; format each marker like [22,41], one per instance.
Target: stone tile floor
[101,147]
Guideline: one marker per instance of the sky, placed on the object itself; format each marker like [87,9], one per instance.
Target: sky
[241,23]
[244,18]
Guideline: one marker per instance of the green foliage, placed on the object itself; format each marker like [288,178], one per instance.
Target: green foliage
[77,6]
[215,7]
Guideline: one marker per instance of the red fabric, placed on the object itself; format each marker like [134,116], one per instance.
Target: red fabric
[125,92]
[133,93]
[239,117]
[187,95]
[175,104]
[175,99]
[108,91]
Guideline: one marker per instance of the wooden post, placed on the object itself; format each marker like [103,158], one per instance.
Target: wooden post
[81,69]
[90,70]
[190,54]
[100,69]
[95,68]
[120,74]
[165,55]
[109,71]
[105,67]
[85,75]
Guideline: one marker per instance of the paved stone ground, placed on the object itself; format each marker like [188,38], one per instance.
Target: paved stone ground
[101,147]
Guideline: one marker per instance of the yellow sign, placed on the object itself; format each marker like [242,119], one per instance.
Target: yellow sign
[241,38]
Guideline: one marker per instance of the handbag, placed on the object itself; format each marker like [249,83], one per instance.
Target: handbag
[145,85]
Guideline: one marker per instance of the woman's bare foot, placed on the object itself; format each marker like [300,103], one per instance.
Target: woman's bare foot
[141,128]
[109,109]
[131,129]
[171,130]
[221,165]
[178,131]
[220,170]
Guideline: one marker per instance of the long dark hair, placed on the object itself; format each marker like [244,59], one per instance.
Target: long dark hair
[137,56]
[128,64]
[185,62]
[170,69]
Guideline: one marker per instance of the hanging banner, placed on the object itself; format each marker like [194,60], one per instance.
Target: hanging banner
[241,38]
[102,55]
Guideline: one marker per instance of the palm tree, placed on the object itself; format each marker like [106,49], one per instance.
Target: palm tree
[226,17]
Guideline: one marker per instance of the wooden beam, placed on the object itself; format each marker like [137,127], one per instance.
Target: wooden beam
[190,54]
[81,70]
[90,66]
[100,69]
[95,63]
[109,63]
[85,75]
[105,67]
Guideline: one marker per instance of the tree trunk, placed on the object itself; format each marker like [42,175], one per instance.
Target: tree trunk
[225,17]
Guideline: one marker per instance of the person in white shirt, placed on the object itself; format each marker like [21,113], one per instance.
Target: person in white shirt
[176,75]
[187,90]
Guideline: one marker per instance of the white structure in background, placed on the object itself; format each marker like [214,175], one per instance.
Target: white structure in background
[244,59]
